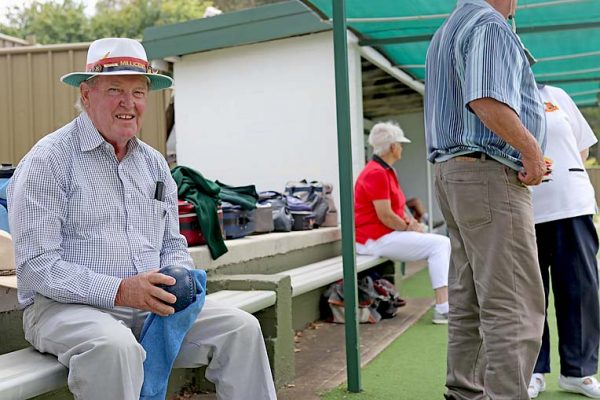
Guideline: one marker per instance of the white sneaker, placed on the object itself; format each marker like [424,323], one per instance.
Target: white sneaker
[537,384]
[587,386]
[439,318]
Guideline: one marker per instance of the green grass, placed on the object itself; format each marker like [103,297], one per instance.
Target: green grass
[413,367]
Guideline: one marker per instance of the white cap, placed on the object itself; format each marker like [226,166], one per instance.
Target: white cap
[383,134]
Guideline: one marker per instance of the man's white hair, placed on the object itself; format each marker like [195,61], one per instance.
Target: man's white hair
[383,134]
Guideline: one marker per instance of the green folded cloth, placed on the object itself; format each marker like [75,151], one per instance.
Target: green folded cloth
[204,195]
[244,196]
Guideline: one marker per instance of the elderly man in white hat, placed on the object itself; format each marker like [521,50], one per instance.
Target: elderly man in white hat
[90,234]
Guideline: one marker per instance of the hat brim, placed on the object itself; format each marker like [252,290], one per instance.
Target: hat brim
[157,81]
[403,140]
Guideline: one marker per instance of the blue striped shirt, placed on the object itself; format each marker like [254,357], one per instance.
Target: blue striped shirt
[81,220]
[475,55]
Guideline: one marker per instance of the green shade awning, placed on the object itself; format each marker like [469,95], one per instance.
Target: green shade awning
[564,35]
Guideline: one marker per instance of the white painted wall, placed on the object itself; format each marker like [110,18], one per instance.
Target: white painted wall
[264,114]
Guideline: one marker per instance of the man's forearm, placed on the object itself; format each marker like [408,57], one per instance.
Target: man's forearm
[504,122]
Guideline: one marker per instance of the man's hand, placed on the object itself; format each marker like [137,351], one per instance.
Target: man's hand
[534,169]
[504,122]
[140,291]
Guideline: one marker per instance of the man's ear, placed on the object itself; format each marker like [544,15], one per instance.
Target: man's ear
[84,92]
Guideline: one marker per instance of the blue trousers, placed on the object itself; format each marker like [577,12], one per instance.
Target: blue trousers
[567,254]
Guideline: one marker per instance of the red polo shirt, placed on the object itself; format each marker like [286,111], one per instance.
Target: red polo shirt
[378,181]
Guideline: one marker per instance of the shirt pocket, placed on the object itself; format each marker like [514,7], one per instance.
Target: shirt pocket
[468,197]
[152,222]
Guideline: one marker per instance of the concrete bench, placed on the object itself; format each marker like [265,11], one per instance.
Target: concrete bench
[310,277]
[26,373]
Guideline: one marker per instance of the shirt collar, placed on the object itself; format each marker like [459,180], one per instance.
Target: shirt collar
[380,161]
[90,138]
[481,3]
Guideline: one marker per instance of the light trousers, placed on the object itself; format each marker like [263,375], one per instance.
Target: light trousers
[413,246]
[100,347]
[495,287]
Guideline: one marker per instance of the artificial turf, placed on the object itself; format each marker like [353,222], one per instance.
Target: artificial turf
[413,367]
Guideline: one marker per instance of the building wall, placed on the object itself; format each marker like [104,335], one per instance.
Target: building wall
[33,102]
[265,113]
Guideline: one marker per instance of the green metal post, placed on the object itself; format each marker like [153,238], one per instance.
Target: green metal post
[340,45]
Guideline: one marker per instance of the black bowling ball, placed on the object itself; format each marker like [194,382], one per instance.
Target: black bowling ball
[184,288]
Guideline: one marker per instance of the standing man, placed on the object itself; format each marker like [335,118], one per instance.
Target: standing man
[485,129]
[93,211]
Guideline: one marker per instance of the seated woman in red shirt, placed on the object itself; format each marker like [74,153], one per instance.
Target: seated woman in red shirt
[383,229]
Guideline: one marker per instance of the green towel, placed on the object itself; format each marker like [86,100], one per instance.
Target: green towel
[244,196]
[204,195]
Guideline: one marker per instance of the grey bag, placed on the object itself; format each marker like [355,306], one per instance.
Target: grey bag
[313,195]
[331,218]
[264,218]
[282,219]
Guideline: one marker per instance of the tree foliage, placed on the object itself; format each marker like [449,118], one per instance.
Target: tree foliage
[65,21]
[232,5]
[49,22]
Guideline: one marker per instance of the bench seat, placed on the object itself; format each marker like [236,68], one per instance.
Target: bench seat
[248,300]
[26,373]
[322,273]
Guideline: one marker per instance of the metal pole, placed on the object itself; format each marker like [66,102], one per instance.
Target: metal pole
[340,45]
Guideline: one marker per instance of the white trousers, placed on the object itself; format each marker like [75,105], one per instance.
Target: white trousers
[105,360]
[413,246]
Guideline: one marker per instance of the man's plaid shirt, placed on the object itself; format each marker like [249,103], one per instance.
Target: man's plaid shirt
[81,220]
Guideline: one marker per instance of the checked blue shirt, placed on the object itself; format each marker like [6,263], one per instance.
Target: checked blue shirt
[475,55]
[81,220]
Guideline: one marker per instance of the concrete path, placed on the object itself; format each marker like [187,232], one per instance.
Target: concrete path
[321,357]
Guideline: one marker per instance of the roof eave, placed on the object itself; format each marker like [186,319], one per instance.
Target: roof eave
[260,24]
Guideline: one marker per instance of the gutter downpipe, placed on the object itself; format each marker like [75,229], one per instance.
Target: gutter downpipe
[340,48]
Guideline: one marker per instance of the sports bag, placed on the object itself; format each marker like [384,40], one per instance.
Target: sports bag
[237,222]
[264,218]
[282,219]
[312,195]
[331,218]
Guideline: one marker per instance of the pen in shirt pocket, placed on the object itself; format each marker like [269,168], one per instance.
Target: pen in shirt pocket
[159,192]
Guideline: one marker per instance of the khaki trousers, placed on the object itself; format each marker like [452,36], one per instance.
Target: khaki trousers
[105,360]
[495,288]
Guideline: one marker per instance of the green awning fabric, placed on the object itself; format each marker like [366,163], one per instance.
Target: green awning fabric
[564,35]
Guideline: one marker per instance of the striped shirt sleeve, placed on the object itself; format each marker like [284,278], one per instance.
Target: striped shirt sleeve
[493,67]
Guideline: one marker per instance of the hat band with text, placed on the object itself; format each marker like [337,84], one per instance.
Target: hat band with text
[120,64]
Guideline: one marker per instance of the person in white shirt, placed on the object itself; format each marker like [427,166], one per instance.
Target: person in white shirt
[564,205]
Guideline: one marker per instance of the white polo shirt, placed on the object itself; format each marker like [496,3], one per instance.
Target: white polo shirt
[569,192]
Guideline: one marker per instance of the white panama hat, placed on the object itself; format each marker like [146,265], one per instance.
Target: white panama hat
[117,56]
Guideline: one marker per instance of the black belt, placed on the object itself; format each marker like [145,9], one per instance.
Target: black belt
[477,154]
